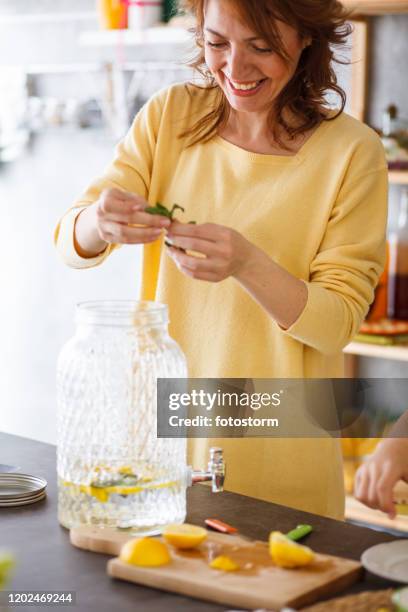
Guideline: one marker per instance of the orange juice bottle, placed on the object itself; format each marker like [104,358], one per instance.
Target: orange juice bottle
[112,14]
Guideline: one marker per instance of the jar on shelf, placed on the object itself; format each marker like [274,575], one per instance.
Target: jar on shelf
[144,14]
[398,268]
[394,136]
[112,469]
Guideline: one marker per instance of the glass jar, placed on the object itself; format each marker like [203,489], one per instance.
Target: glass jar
[112,469]
[112,14]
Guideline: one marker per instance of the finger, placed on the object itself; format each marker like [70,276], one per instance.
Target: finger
[142,218]
[194,268]
[195,264]
[195,244]
[385,487]
[204,276]
[125,196]
[123,234]
[372,493]
[121,211]
[206,231]
[361,484]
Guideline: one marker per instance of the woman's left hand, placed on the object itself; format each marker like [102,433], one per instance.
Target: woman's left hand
[224,251]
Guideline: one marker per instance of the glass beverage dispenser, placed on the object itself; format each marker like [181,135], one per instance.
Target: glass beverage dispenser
[113,471]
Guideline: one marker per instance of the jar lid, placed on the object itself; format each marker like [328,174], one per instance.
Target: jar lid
[21,489]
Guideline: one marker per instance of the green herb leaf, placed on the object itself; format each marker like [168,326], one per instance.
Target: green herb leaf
[161,207]
[175,207]
[155,210]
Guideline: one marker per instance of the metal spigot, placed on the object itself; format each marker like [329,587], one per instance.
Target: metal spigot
[215,471]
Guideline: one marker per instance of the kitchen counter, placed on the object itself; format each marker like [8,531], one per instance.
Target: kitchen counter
[48,562]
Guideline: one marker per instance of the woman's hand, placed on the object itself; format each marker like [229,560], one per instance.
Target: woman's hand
[224,252]
[376,478]
[117,217]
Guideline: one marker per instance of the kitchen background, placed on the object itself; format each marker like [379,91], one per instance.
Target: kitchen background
[66,96]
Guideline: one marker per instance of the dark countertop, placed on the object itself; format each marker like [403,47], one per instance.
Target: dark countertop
[48,562]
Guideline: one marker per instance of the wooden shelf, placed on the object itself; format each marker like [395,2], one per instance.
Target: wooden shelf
[395,353]
[398,177]
[377,7]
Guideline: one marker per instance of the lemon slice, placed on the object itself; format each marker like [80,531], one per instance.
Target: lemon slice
[289,554]
[146,552]
[184,536]
[224,563]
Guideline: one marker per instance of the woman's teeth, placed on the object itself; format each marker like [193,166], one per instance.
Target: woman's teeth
[246,86]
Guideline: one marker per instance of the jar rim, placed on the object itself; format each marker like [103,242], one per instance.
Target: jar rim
[122,312]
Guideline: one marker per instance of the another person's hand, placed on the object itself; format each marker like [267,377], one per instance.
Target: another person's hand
[223,250]
[376,478]
[116,217]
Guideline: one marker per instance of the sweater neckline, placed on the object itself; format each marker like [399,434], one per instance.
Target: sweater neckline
[265,158]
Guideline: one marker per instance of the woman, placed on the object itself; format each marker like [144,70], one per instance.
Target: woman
[289,200]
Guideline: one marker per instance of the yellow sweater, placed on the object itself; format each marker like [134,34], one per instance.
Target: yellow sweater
[321,214]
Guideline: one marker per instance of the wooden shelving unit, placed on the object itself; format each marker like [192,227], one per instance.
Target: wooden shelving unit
[377,7]
[394,353]
[363,9]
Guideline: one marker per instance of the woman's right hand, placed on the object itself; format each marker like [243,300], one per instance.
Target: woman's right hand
[376,477]
[116,217]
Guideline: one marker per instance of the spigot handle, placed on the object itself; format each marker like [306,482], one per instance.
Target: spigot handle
[215,471]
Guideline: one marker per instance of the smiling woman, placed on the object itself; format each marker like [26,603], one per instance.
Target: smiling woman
[289,198]
[284,71]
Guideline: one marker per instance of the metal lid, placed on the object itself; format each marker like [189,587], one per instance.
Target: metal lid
[21,489]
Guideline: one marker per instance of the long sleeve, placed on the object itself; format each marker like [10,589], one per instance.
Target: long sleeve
[346,269]
[130,170]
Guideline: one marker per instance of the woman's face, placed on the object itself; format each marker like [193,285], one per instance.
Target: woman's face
[248,71]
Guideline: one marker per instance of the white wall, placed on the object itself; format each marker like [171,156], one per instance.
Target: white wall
[39,293]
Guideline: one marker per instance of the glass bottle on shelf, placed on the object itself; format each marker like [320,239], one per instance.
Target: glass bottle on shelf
[389,118]
[398,269]
[113,14]
[378,309]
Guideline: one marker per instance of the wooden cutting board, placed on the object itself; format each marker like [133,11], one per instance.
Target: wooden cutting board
[260,584]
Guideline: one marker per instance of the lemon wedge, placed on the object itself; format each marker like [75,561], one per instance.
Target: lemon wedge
[224,563]
[146,552]
[184,536]
[289,554]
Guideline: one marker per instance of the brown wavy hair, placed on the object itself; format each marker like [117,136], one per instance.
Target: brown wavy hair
[324,22]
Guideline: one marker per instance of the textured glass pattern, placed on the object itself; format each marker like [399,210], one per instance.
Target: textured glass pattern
[112,469]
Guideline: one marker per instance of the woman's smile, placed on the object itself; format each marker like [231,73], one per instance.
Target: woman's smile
[245,88]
